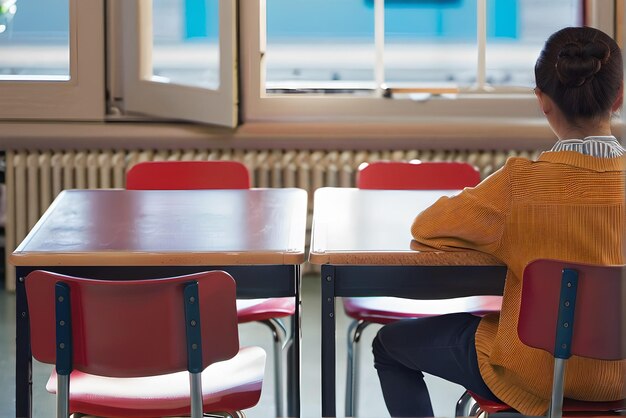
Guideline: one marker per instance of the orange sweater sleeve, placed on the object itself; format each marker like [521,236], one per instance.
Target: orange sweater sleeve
[473,219]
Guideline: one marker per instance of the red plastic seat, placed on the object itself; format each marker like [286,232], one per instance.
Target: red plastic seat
[595,311]
[251,310]
[193,175]
[125,345]
[415,175]
[377,310]
[571,406]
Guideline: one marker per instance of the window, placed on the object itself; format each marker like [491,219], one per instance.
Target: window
[35,41]
[185,47]
[332,47]
[179,60]
[423,41]
[517,30]
[430,59]
[401,61]
[42,75]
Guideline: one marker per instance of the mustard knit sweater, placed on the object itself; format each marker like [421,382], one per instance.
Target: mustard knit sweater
[566,206]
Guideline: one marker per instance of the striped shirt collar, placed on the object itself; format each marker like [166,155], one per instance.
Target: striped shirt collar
[595,146]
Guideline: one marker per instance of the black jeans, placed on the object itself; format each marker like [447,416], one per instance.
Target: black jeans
[440,345]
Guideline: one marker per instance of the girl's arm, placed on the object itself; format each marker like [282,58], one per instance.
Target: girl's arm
[473,219]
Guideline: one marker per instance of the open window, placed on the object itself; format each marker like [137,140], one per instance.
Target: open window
[400,60]
[52,67]
[179,59]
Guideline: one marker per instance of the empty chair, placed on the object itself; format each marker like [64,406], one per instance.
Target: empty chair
[393,175]
[121,347]
[571,309]
[187,175]
[417,175]
[193,175]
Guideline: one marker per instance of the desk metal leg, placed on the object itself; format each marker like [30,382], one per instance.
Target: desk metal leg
[293,356]
[328,341]
[23,358]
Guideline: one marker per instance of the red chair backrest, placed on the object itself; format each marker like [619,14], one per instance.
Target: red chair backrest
[396,175]
[600,310]
[133,328]
[187,175]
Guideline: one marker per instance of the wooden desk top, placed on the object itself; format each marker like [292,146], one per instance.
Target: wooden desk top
[174,227]
[373,227]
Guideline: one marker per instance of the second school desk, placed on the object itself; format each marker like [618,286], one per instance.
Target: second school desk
[257,235]
[362,239]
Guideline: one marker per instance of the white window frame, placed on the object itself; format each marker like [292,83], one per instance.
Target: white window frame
[79,98]
[498,103]
[134,90]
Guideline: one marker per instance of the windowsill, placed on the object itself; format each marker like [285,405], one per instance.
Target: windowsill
[492,134]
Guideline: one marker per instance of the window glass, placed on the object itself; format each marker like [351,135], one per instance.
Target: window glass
[517,30]
[34,40]
[430,41]
[318,43]
[186,42]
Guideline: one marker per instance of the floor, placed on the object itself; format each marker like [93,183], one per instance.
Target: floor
[444,394]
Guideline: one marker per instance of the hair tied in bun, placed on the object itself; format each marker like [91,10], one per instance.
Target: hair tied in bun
[570,50]
[597,49]
[576,64]
[581,70]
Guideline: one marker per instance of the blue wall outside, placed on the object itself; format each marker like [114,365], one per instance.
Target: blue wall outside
[348,19]
[43,20]
[453,20]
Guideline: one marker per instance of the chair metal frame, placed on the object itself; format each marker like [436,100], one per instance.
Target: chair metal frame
[213,174]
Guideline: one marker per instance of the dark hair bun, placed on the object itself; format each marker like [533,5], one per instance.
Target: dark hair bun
[581,70]
[577,63]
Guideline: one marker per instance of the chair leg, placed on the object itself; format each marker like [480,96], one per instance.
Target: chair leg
[556,403]
[463,405]
[279,332]
[195,384]
[236,414]
[352,373]
[63,395]
[476,411]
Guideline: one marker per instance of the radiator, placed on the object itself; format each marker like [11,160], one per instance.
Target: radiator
[33,179]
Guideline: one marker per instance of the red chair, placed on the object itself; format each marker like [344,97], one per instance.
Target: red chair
[187,175]
[571,309]
[391,175]
[417,175]
[125,345]
[192,175]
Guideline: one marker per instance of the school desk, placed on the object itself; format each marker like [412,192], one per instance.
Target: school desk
[256,235]
[362,240]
